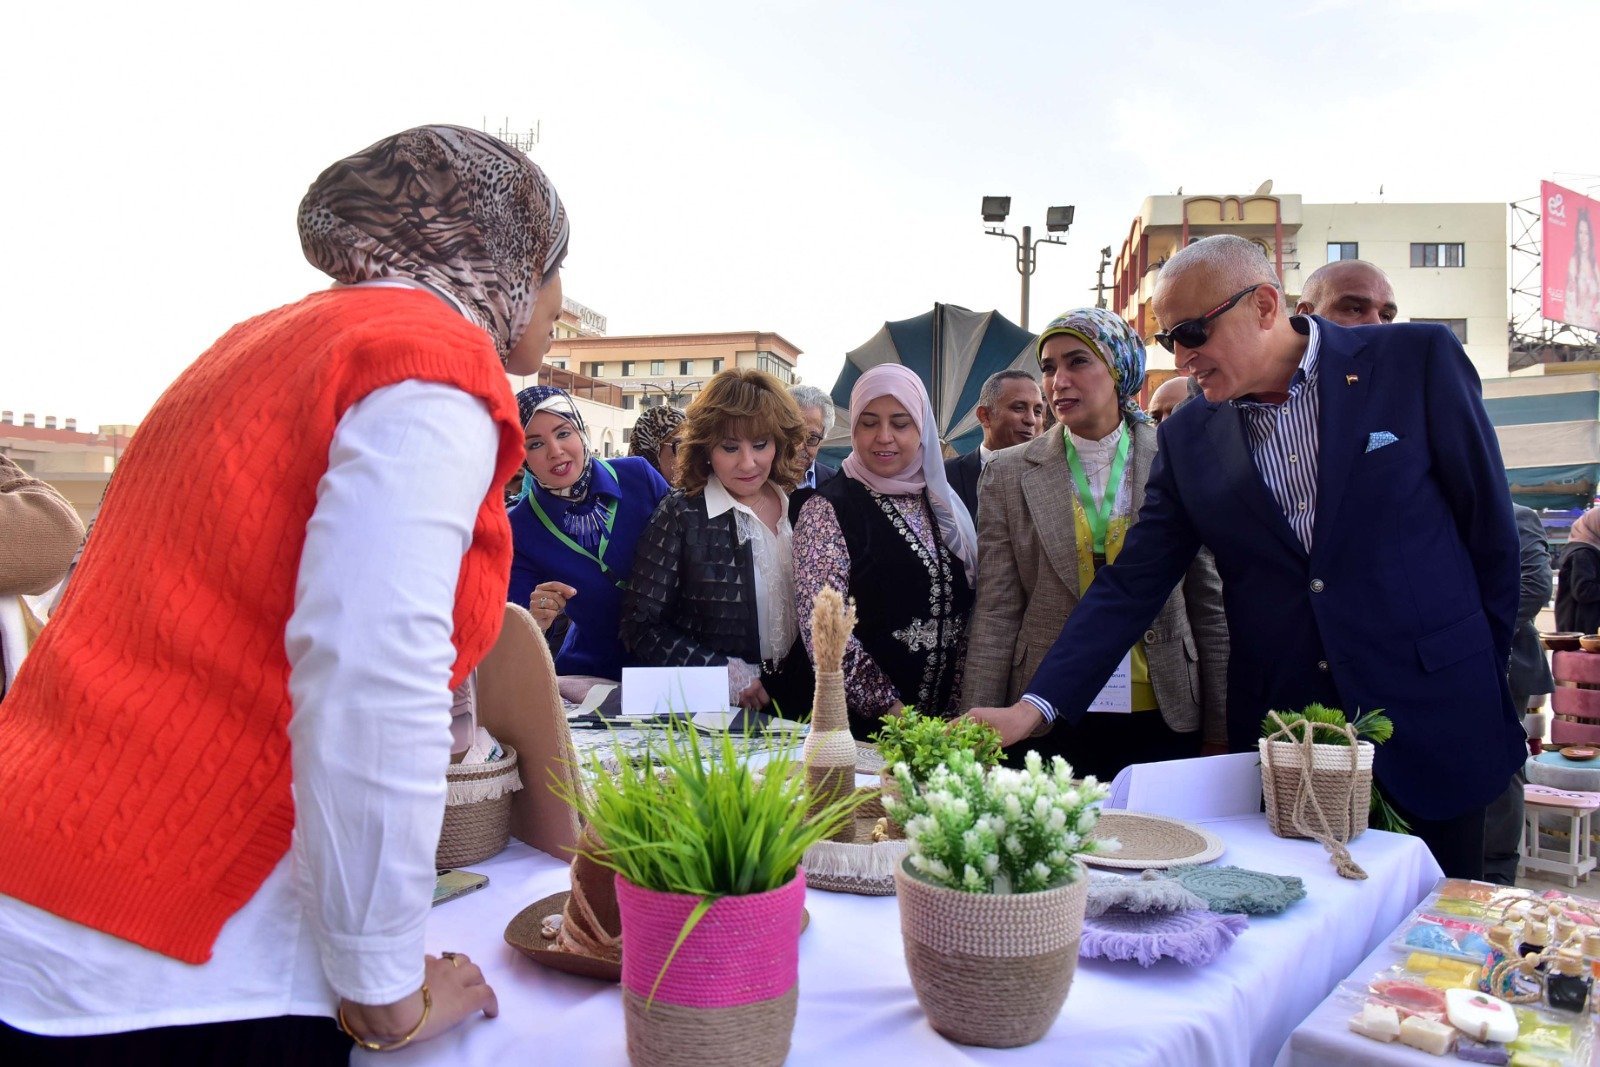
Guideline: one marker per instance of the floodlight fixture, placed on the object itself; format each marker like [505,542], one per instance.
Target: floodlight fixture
[996,208]
[1058,219]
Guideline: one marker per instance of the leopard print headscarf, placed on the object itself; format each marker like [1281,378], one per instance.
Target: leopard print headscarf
[451,208]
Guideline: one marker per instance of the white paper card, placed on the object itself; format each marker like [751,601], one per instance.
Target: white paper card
[1210,787]
[652,691]
[1117,696]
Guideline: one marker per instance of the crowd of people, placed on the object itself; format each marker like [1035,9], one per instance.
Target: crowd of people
[242,700]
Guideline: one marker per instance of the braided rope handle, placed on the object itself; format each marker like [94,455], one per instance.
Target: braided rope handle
[1501,975]
[1342,861]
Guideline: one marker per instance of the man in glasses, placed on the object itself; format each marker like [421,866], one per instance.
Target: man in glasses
[816,408]
[1350,486]
[1011,412]
[1351,292]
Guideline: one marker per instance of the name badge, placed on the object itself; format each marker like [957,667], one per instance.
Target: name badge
[1117,696]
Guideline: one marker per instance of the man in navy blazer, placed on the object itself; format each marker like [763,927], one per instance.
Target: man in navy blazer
[1388,579]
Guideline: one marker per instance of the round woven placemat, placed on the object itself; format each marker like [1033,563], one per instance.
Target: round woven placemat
[1152,841]
[1239,889]
[868,759]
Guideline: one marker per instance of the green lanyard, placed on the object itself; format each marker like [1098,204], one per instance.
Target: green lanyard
[1099,516]
[610,509]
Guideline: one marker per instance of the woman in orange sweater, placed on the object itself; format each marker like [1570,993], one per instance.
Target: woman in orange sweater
[274,601]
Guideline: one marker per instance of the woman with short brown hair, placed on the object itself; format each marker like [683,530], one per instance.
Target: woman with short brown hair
[713,574]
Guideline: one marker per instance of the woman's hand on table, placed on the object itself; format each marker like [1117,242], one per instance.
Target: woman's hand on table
[457,988]
[754,696]
[548,600]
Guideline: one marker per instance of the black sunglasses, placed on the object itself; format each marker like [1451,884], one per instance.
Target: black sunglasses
[1192,333]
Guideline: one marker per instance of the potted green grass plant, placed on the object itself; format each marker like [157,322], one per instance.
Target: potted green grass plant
[992,893]
[706,854]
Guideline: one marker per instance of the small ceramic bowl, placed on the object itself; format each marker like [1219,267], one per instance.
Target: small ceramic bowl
[1562,641]
[1580,753]
[1590,642]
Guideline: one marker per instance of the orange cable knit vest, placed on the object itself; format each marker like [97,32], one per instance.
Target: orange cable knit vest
[144,752]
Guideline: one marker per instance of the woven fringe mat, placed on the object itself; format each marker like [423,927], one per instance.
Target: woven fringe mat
[668,1035]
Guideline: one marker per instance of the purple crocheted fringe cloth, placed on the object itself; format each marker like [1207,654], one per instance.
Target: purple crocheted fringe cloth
[1190,937]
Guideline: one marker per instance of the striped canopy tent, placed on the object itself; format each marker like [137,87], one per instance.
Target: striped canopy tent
[953,350]
[1549,430]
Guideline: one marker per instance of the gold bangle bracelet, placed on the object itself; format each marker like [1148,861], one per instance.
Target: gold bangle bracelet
[373,1046]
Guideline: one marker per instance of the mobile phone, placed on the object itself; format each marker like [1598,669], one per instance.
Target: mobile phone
[452,884]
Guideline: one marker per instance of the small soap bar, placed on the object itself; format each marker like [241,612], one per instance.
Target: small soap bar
[1377,1021]
[1481,1052]
[1427,1035]
[1480,1016]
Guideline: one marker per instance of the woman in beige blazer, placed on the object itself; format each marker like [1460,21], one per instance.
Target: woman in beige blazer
[1053,512]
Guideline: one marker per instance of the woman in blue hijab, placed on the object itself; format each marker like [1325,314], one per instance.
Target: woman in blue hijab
[573,531]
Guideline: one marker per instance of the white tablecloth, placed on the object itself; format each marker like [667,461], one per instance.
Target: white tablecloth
[1324,1038]
[856,1003]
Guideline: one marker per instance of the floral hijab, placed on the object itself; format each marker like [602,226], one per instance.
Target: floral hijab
[457,211]
[1114,341]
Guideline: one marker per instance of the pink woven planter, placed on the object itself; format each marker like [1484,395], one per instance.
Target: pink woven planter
[729,995]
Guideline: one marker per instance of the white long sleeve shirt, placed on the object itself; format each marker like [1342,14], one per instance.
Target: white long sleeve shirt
[369,646]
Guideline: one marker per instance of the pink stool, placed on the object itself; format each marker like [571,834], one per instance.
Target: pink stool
[1576,807]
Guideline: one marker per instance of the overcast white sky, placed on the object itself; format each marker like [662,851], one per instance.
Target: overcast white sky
[807,168]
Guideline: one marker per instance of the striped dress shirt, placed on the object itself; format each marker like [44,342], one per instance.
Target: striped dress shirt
[1283,440]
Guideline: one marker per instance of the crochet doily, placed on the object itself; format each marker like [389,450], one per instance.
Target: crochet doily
[1190,937]
[1148,892]
[1237,889]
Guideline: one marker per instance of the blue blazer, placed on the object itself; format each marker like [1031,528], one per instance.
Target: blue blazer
[591,646]
[1406,600]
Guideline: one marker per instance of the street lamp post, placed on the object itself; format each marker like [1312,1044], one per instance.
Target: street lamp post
[1056,220]
[670,392]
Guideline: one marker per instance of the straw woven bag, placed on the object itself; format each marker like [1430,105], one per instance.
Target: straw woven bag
[1317,791]
[477,813]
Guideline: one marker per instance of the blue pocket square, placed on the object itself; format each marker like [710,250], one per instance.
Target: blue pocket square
[1381,439]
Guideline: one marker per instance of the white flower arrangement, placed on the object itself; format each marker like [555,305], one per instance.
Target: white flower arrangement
[1000,830]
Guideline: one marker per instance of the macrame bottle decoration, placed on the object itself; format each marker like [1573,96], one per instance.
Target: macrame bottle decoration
[830,751]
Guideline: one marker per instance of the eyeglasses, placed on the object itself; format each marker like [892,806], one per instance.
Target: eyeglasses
[813,440]
[1193,333]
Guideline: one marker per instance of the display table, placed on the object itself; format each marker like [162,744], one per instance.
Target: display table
[856,1003]
[1324,1039]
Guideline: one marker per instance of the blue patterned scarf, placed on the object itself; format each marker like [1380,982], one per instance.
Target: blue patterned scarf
[582,518]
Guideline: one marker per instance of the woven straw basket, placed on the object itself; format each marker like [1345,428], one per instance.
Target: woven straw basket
[1340,779]
[990,969]
[727,997]
[477,817]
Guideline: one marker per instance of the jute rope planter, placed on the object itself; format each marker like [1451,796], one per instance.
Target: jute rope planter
[477,813]
[990,969]
[830,751]
[1316,791]
[728,997]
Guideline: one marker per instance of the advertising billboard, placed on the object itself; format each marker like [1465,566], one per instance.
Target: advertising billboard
[1571,261]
